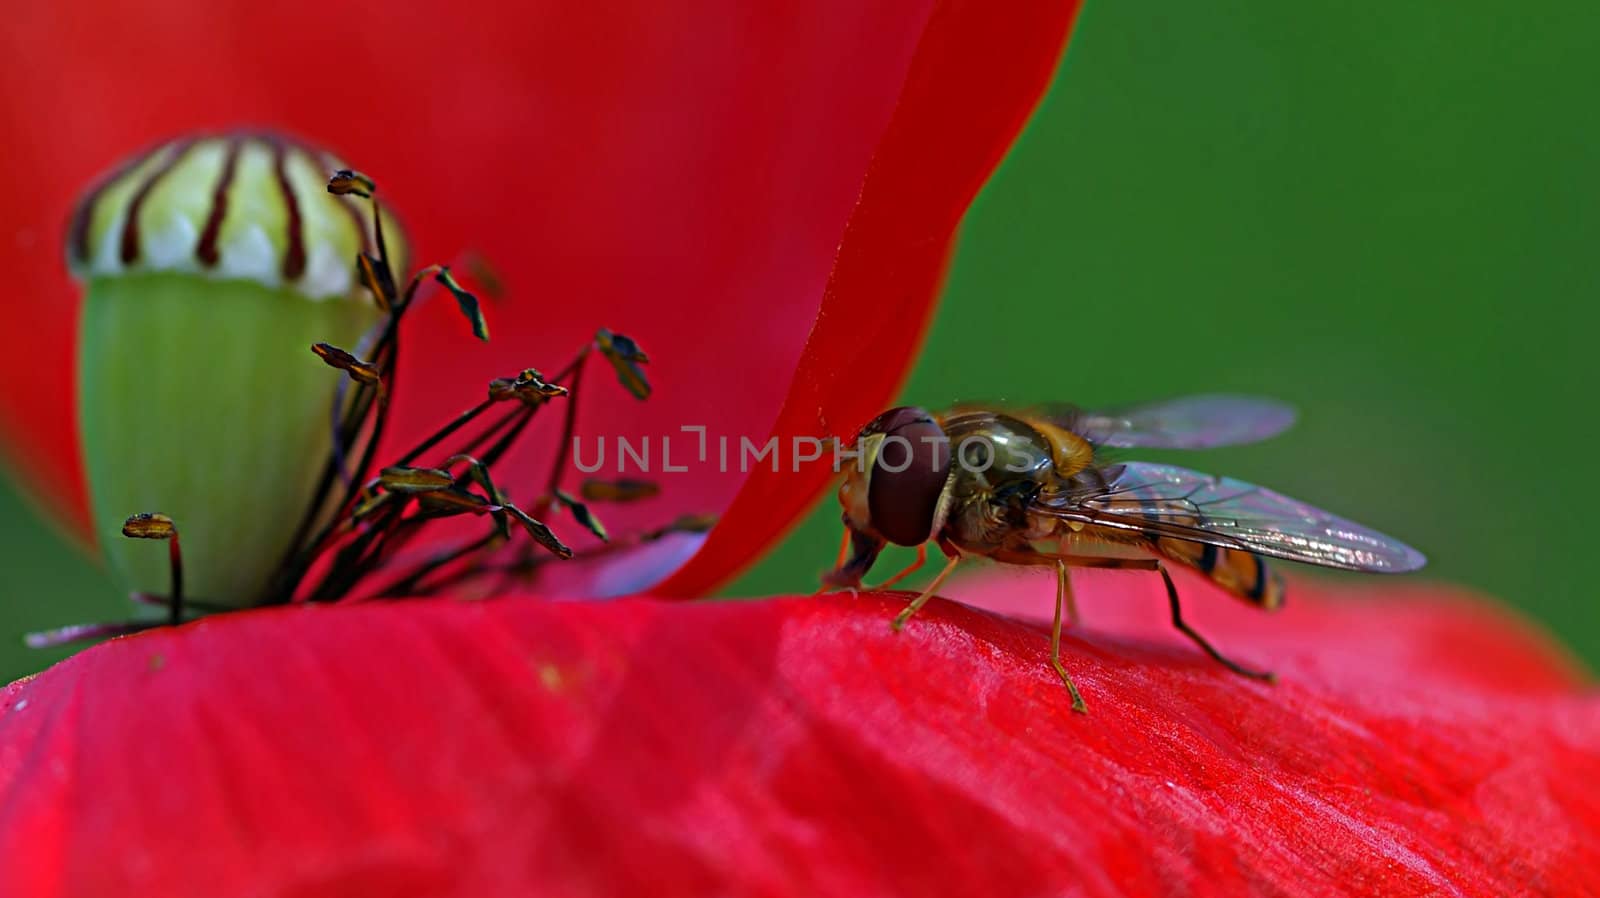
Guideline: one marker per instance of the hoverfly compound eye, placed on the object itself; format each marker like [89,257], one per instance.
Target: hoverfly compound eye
[908,475]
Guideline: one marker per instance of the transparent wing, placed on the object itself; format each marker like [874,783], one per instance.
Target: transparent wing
[1190,422]
[1178,503]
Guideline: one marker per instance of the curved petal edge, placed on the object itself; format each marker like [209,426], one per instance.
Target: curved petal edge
[978,72]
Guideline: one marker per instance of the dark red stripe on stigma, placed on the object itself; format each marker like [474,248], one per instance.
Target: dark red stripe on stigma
[130,227]
[78,232]
[83,216]
[206,250]
[294,257]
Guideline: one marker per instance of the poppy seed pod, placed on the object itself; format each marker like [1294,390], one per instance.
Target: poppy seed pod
[210,265]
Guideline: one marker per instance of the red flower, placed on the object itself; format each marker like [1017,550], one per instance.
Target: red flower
[786,185]
[1422,744]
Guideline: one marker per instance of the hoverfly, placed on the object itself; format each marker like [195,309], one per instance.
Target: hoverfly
[1039,487]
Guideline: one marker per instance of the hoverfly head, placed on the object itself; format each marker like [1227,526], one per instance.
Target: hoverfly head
[895,489]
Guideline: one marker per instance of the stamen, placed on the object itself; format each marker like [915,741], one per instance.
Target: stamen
[461,421]
[408,584]
[624,490]
[49,639]
[467,303]
[415,480]
[355,527]
[581,514]
[625,356]
[377,231]
[568,428]
[540,533]
[361,372]
[190,603]
[139,526]
[493,431]
[478,472]
[159,526]
[503,444]
[528,564]
[527,387]
[346,182]
[347,427]
[381,285]
[453,501]
[365,373]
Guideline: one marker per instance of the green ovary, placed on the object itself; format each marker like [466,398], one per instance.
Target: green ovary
[201,400]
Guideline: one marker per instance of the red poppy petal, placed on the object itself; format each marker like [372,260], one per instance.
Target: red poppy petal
[978,72]
[1418,743]
[682,175]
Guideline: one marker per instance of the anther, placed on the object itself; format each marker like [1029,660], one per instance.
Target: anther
[159,526]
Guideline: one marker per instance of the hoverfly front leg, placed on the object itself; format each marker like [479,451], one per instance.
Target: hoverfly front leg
[1064,600]
[900,619]
[838,565]
[862,549]
[912,568]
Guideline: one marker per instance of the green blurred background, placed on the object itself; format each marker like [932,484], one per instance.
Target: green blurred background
[1383,214]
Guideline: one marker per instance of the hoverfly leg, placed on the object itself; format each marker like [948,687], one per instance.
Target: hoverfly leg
[912,568]
[1183,627]
[1064,599]
[900,619]
[1065,587]
[844,555]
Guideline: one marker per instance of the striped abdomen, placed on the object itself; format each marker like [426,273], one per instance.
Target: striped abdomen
[1244,574]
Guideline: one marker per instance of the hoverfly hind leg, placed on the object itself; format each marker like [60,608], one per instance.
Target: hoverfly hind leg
[1064,600]
[1197,639]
